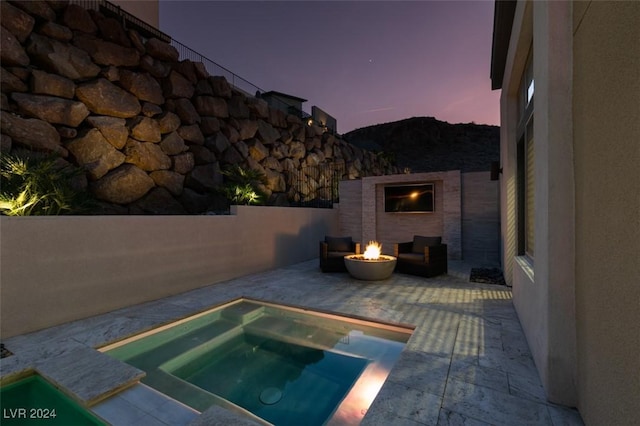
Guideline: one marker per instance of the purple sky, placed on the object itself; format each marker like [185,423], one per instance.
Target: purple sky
[362,62]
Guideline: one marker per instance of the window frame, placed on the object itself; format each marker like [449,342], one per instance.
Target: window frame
[525,171]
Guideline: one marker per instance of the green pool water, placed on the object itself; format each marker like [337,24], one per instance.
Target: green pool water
[284,365]
[33,401]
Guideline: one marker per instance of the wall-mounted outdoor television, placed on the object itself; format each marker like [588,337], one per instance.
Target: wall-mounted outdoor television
[418,198]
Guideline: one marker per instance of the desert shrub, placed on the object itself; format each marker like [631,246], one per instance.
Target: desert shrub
[32,184]
[242,185]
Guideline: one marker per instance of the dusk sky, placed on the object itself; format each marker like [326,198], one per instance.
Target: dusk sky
[362,62]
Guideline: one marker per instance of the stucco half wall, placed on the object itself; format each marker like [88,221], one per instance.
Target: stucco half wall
[60,269]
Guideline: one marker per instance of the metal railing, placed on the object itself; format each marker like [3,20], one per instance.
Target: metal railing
[147,31]
[316,186]
[127,20]
[237,82]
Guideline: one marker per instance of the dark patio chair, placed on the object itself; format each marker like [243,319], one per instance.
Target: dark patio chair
[333,250]
[424,256]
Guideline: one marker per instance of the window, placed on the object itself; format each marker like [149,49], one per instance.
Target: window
[526,164]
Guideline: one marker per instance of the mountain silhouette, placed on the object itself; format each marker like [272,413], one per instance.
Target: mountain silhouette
[424,144]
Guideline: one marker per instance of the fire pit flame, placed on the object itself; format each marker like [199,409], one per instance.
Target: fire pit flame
[372,251]
[370,265]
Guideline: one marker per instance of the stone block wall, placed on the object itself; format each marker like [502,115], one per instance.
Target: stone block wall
[467,214]
[152,132]
[371,222]
[391,228]
[350,209]
[480,219]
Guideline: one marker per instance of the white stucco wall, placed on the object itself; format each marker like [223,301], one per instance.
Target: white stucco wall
[543,287]
[59,269]
[606,110]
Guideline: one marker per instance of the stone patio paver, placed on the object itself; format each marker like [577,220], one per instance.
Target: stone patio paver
[491,406]
[467,361]
[88,375]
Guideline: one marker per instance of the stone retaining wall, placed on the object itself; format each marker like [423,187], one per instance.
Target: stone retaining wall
[152,132]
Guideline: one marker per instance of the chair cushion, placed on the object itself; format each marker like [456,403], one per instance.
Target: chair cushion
[420,242]
[339,243]
[411,258]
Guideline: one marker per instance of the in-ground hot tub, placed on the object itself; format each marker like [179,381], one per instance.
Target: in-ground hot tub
[281,364]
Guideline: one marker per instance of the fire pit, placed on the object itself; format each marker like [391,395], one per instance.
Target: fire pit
[371,265]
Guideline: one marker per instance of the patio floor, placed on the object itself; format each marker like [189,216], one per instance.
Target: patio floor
[467,362]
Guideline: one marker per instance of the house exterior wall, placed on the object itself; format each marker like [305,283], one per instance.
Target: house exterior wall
[606,126]
[60,269]
[578,298]
[521,40]
[147,10]
[543,287]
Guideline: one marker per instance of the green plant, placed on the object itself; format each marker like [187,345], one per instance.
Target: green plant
[245,195]
[35,185]
[242,185]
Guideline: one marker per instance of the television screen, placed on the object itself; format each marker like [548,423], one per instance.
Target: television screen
[409,198]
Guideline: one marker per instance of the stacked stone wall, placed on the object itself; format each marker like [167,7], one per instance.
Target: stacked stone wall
[152,132]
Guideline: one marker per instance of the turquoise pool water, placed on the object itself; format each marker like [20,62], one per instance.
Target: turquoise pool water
[285,365]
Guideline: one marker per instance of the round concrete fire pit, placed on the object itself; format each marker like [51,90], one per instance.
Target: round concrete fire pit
[368,269]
